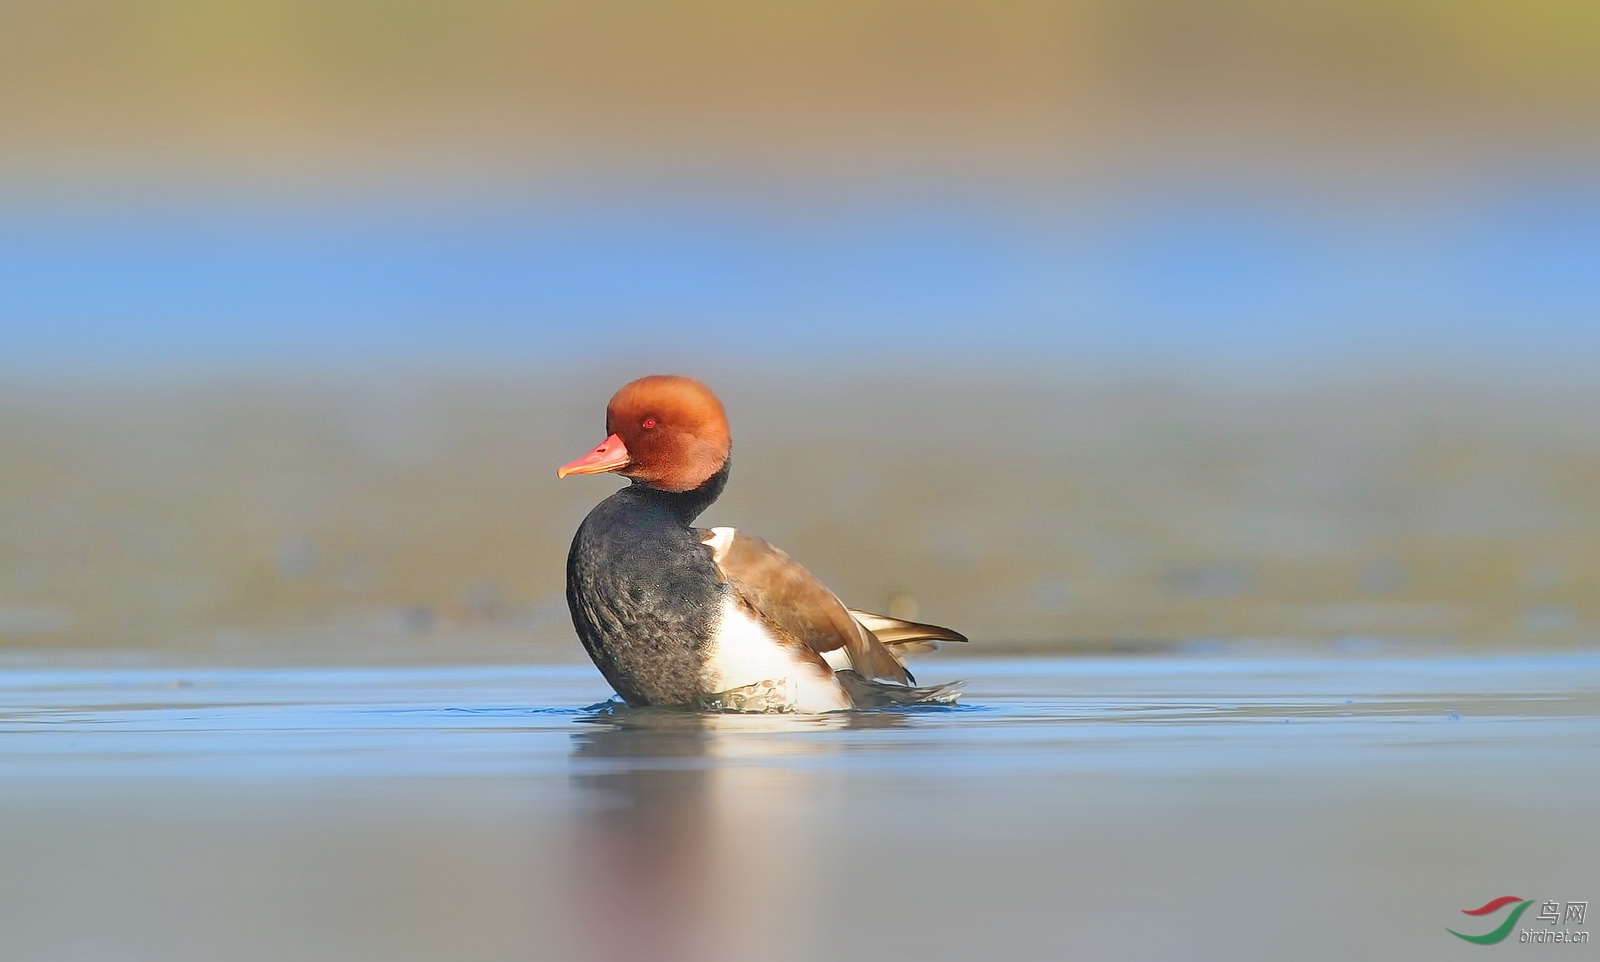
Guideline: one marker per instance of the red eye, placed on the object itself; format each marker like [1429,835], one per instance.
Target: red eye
[649,423]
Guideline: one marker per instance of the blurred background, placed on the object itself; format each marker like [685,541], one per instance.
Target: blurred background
[1100,324]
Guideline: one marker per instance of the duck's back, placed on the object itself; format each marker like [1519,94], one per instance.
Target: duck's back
[644,596]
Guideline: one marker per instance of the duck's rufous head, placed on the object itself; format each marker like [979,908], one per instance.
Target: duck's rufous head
[665,431]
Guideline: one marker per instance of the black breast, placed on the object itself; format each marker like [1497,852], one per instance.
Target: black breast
[644,593]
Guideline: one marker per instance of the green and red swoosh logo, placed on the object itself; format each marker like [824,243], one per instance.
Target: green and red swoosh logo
[1490,907]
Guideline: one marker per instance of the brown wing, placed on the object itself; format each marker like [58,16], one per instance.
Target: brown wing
[903,637]
[791,599]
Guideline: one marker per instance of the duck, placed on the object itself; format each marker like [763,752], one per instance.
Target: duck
[715,618]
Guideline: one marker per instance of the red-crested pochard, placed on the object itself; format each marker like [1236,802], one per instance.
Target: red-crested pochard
[713,617]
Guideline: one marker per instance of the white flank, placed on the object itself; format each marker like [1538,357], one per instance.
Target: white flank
[742,653]
[839,660]
[720,541]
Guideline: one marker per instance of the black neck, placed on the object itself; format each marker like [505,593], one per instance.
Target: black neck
[685,505]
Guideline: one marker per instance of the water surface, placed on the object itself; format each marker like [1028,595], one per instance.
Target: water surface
[1146,808]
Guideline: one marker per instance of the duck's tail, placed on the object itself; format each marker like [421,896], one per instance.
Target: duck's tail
[885,644]
[866,693]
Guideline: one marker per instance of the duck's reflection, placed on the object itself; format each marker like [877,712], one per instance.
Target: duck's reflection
[692,827]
